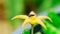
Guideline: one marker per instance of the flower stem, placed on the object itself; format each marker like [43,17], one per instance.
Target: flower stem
[32,30]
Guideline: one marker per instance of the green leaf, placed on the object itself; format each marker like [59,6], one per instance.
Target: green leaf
[26,31]
[55,18]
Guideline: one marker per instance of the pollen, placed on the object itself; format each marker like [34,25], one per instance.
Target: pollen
[32,20]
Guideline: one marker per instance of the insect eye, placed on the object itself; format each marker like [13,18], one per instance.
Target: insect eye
[31,15]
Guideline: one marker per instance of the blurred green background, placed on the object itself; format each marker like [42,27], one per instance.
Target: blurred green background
[11,8]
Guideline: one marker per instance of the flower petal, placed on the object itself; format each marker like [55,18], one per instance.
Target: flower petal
[24,23]
[20,16]
[44,17]
[42,24]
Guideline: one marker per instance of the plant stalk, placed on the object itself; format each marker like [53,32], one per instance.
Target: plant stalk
[32,30]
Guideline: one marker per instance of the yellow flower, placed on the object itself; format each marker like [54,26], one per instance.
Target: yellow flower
[32,19]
